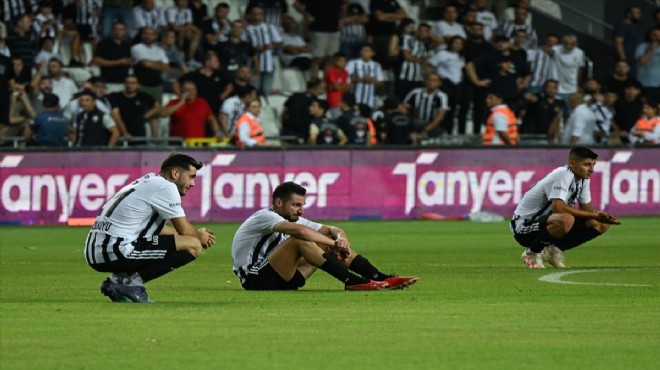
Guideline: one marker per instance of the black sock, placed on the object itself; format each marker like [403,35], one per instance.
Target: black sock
[335,268]
[571,240]
[543,239]
[363,267]
[165,265]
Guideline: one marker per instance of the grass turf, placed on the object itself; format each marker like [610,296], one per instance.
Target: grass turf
[475,307]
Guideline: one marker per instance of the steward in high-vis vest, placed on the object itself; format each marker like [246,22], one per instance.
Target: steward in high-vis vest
[644,130]
[502,124]
[249,131]
[91,126]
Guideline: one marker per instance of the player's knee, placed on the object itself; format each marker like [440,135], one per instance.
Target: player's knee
[602,228]
[562,223]
[195,249]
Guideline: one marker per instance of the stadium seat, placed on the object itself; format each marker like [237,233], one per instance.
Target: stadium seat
[292,80]
[277,102]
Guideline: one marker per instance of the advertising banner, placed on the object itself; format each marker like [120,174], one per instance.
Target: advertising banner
[57,188]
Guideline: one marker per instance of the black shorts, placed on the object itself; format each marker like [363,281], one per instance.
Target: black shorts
[526,231]
[147,251]
[269,279]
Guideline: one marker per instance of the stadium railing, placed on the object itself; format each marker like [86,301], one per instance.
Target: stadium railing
[17,141]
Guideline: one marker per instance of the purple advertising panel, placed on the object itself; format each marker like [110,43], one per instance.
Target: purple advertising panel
[58,188]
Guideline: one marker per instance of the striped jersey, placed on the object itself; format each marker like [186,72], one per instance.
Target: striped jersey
[147,18]
[139,210]
[353,32]
[12,9]
[364,91]
[256,238]
[604,118]
[426,105]
[178,16]
[542,66]
[232,107]
[260,35]
[412,71]
[507,28]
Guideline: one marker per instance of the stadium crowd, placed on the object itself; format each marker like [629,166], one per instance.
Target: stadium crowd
[374,75]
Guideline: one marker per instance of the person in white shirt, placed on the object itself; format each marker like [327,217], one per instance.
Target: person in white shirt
[278,249]
[150,61]
[569,62]
[130,239]
[146,15]
[579,128]
[444,29]
[546,221]
[295,52]
[366,74]
[486,18]
[63,86]
[179,19]
[449,65]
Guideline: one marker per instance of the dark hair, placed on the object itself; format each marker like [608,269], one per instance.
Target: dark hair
[629,9]
[424,24]
[286,189]
[550,80]
[496,92]
[322,104]
[313,82]
[339,54]
[179,160]
[405,22]
[221,5]
[581,152]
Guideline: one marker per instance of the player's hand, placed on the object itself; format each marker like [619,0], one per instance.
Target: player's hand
[607,218]
[207,237]
[342,248]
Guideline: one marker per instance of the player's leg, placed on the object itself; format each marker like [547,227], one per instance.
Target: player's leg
[186,249]
[581,232]
[359,264]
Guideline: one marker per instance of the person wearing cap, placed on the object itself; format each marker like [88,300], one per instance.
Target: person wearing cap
[92,127]
[49,127]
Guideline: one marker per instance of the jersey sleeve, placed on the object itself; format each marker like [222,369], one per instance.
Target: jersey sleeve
[309,223]
[585,194]
[264,222]
[167,202]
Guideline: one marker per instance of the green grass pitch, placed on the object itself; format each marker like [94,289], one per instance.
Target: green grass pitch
[476,306]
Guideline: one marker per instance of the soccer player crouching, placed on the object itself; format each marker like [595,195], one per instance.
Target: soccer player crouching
[130,239]
[277,249]
[547,222]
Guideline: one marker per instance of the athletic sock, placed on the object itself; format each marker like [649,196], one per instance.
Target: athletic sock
[335,268]
[543,239]
[363,267]
[571,241]
[168,264]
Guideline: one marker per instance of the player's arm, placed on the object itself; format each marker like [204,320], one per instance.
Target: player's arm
[183,227]
[303,232]
[585,211]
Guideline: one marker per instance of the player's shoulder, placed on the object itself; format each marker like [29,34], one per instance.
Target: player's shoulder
[559,173]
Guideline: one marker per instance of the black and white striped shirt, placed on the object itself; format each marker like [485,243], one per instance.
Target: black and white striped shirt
[12,9]
[139,210]
[232,107]
[358,69]
[178,16]
[353,32]
[38,22]
[260,35]
[412,71]
[541,65]
[507,28]
[604,117]
[426,105]
[151,19]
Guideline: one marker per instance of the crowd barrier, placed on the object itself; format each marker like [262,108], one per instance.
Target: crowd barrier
[47,188]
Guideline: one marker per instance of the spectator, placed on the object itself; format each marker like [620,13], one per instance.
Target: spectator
[217,28]
[581,124]
[20,113]
[4,49]
[189,114]
[19,75]
[146,15]
[115,11]
[81,21]
[542,114]
[14,9]
[294,51]
[448,27]
[48,51]
[569,61]
[95,85]
[264,39]
[200,13]
[22,41]
[132,109]
[396,126]
[627,37]
[176,58]
[643,133]
[274,10]
[40,86]
[242,81]
[46,24]
[384,15]
[519,43]
[233,107]
[321,130]
[249,131]
[509,13]
[63,86]
[358,129]
[322,19]
[507,28]
[648,65]
[502,124]
[462,6]
[449,65]
[427,107]
[366,75]
[619,79]
[541,64]
[236,53]
[352,30]
[473,95]
[113,55]
[295,115]
[179,19]
[412,52]
[627,110]
[337,81]
[150,62]
[211,85]
[92,127]
[603,118]
[488,18]
[49,127]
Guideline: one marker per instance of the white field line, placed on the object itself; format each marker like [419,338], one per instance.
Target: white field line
[556,277]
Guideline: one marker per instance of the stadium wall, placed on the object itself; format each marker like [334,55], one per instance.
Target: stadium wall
[47,188]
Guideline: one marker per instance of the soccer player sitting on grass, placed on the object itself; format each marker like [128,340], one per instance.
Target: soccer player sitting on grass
[130,239]
[277,249]
[546,221]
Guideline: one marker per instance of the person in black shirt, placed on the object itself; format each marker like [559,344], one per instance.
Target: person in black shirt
[619,79]
[543,112]
[235,53]
[322,18]
[200,12]
[384,15]
[113,55]
[321,130]
[217,28]
[295,115]
[471,94]
[628,109]
[132,109]
[212,86]
[22,41]
[396,125]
